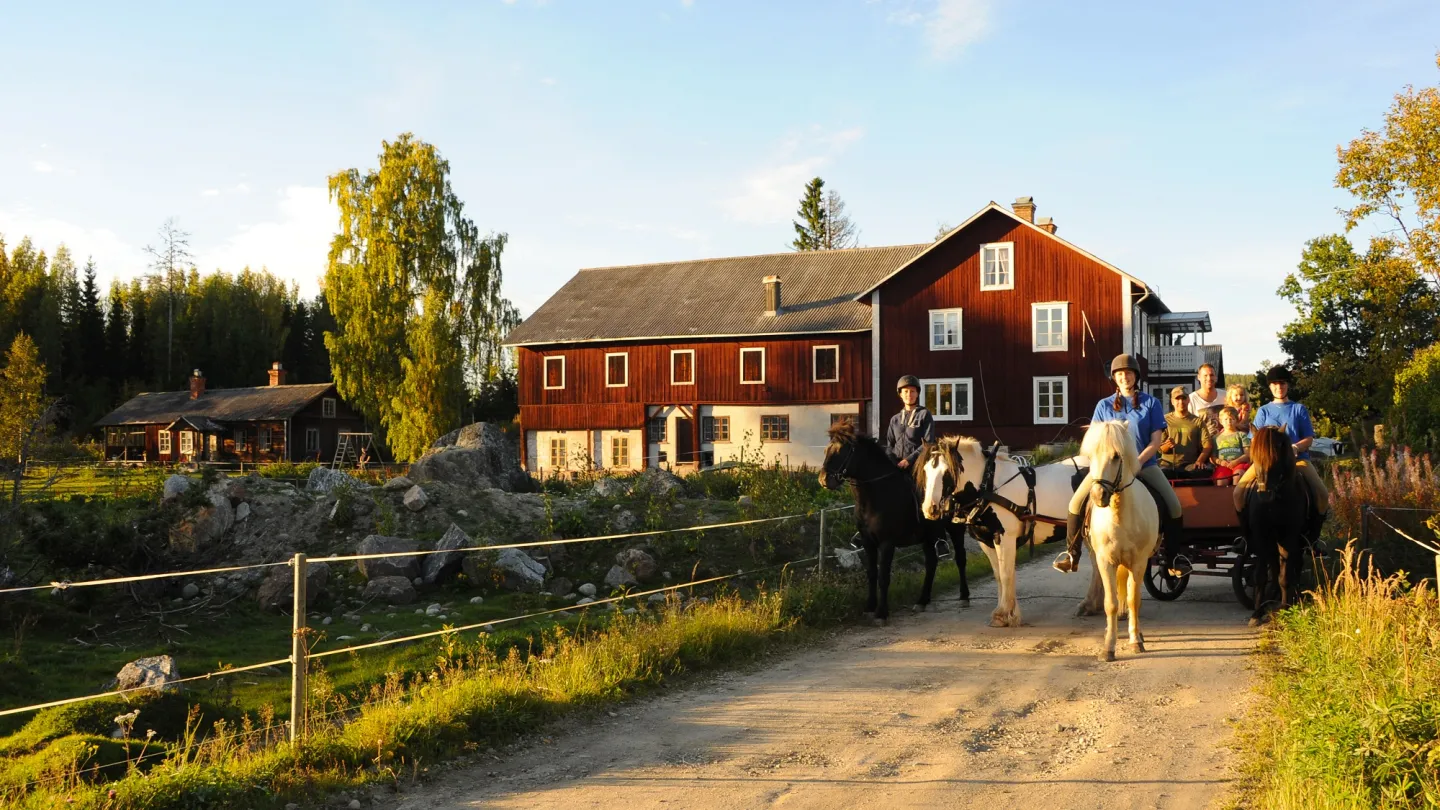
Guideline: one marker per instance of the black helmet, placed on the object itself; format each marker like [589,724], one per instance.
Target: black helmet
[1279,374]
[909,380]
[1123,362]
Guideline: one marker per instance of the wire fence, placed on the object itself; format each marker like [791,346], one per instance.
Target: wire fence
[1418,551]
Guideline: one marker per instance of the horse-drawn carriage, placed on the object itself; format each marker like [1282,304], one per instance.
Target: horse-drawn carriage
[1216,542]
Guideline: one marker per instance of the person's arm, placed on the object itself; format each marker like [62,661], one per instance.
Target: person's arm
[1303,429]
[1154,447]
[890,440]
[1207,444]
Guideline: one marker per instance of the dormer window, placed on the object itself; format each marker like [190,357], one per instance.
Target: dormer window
[997,266]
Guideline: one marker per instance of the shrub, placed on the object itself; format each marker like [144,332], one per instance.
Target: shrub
[1415,415]
[1398,480]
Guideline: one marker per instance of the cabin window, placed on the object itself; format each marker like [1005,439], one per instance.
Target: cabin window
[555,373]
[557,454]
[262,438]
[240,440]
[1051,405]
[327,408]
[948,399]
[617,370]
[997,266]
[826,361]
[715,429]
[775,428]
[165,441]
[187,442]
[752,366]
[945,328]
[655,428]
[1051,326]
[620,451]
[312,440]
[682,367]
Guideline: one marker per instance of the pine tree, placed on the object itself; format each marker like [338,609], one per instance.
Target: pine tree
[138,366]
[810,231]
[117,343]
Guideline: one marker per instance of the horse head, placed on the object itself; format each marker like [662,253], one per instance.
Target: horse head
[1273,457]
[1113,459]
[938,475]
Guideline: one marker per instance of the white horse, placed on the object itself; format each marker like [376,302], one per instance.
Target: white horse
[1124,526]
[1052,499]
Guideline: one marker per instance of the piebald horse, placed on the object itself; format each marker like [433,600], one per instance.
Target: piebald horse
[1124,526]
[962,460]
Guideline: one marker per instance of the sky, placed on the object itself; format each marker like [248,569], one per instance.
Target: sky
[1192,147]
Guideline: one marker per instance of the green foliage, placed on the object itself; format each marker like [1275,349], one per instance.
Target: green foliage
[1415,415]
[810,228]
[1398,480]
[111,533]
[289,470]
[1045,455]
[22,397]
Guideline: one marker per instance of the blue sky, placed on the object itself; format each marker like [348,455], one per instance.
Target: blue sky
[1193,148]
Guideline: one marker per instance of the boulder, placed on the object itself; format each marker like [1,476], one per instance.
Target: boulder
[445,565]
[395,590]
[611,488]
[659,482]
[190,591]
[640,565]
[561,586]
[477,456]
[324,480]
[155,672]
[177,485]
[242,511]
[588,589]
[398,484]
[619,577]
[745,500]
[407,567]
[415,499]
[277,595]
[205,526]
[510,569]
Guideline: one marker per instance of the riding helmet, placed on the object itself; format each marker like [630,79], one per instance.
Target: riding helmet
[909,380]
[1279,374]
[1123,362]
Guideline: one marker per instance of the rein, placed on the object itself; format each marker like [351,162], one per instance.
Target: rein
[844,471]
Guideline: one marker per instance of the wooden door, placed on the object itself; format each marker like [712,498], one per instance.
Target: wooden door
[684,440]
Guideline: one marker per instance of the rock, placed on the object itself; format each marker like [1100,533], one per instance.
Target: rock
[560,585]
[511,569]
[154,672]
[435,609]
[630,611]
[324,480]
[656,597]
[624,520]
[395,590]
[476,600]
[476,456]
[584,600]
[398,484]
[415,499]
[407,567]
[610,488]
[462,513]
[190,591]
[588,589]
[365,628]
[745,500]
[206,526]
[659,482]
[437,567]
[417,582]
[326,621]
[242,511]
[640,565]
[176,485]
[619,577]
[277,591]
[354,804]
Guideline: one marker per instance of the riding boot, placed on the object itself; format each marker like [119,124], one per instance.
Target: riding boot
[1177,564]
[1069,560]
[1313,521]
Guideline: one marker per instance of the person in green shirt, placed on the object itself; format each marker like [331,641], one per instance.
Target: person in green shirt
[1189,441]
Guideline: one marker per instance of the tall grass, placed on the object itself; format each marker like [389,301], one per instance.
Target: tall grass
[1403,489]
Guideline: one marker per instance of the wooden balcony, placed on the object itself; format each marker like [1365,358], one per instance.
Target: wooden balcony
[1182,359]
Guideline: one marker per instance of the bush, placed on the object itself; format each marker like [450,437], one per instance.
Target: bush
[1398,480]
[1415,416]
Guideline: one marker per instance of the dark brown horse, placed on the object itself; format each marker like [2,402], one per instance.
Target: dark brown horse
[1274,520]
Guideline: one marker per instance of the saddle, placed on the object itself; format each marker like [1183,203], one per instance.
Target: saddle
[1079,478]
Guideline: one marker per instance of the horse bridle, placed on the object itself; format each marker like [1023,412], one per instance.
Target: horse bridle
[844,471]
[1110,489]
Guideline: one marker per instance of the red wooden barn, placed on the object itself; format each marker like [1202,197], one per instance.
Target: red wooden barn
[1010,328]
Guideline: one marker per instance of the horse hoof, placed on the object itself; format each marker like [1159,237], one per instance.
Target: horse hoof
[878,622]
[996,622]
[1256,621]
[1086,610]
[1106,656]
[917,609]
[964,602]
[1137,646]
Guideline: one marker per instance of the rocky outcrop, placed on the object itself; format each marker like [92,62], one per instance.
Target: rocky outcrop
[398,484]
[205,525]
[611,488]
[155,672]
[659,482]
[640,565]
[415,498]
[394,590]
[509,569]
[478,456]
[439,567]
[177,485]
[407,567]
[618,577]
[277,591]
[324,480]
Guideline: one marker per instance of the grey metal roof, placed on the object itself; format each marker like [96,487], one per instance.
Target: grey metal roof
[203,424]
[714,297]
[1182,322]
[218,405]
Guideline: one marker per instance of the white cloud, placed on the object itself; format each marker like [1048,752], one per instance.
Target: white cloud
[114,257]
[293,246]
[210,192]
[950,25]
[42,167]
[768,194]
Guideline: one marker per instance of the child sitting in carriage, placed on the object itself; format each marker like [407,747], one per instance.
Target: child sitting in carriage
[1232,445]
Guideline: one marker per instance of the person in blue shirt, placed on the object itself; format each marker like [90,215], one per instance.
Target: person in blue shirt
[1146,416]
[911,428]
[1294,419]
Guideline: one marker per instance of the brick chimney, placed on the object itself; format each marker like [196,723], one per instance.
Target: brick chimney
[1024,208]
[277,374]
[197,384]
[772,295]
[1047,223]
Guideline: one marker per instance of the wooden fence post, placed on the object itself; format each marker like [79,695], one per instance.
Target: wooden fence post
[820,561]
[298,653]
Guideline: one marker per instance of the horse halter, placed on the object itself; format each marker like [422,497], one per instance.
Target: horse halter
[844,471]
[1109,489]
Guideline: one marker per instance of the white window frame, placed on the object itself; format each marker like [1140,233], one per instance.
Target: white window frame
[815,363]
[1009,249]
[309,446]
[545,373]
[187,443]
[761,381]
[1064,417]
[620,460]
[165,441]
[626,383]
[327,408]
[969,383]
[959,313]
[239,440]
[559,460]
[263,439]
[1050,306]
[690,352]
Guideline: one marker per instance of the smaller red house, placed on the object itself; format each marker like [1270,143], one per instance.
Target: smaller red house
[276,422]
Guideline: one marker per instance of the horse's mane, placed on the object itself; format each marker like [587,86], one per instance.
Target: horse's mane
[1273,456]
[1105,439]
[843,432]
[947,446]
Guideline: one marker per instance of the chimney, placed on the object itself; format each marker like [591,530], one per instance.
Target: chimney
[1047,223]
[772,295]
[197,384]
[277,374]
[1024,208]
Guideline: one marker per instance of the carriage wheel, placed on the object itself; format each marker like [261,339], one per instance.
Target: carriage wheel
[1161,585]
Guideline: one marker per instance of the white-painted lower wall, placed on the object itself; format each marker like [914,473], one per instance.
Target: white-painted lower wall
[578,452]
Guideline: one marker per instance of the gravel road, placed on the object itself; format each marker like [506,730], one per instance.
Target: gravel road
[936,710]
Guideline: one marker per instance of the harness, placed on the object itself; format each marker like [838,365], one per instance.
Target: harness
[975,507]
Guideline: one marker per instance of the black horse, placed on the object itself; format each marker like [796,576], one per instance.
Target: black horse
[887,514]
[1273,518]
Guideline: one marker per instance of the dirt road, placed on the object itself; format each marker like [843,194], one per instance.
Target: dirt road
[936,710]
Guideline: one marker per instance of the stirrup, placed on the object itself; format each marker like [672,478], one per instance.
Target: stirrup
[944,550]
[1181,567]
[1064,563]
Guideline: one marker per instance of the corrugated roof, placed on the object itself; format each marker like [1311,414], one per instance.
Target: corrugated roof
[714,297]
[219,405]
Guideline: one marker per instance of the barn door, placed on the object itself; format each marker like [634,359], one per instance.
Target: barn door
[684,440]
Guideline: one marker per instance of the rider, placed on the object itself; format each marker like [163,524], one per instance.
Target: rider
[1294,419]
[911,428]
[1146,417]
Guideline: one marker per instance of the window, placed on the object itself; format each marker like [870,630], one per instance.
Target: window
[327,408]
[852,418]
[945,327]
[752,366]
[682,367]
[620,451]
[947,399]
[617,370]
[312,440]
[187,442]
[1051,326]
[165,441]
[240,440]
[262,438]
[826,363]
[714,429]
[554,373]
[1051,407]
[557,453]
[655,428]
[997,271]
[775,428]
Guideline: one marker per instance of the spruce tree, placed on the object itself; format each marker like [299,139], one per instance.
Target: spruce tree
[810,232]
[117,341]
